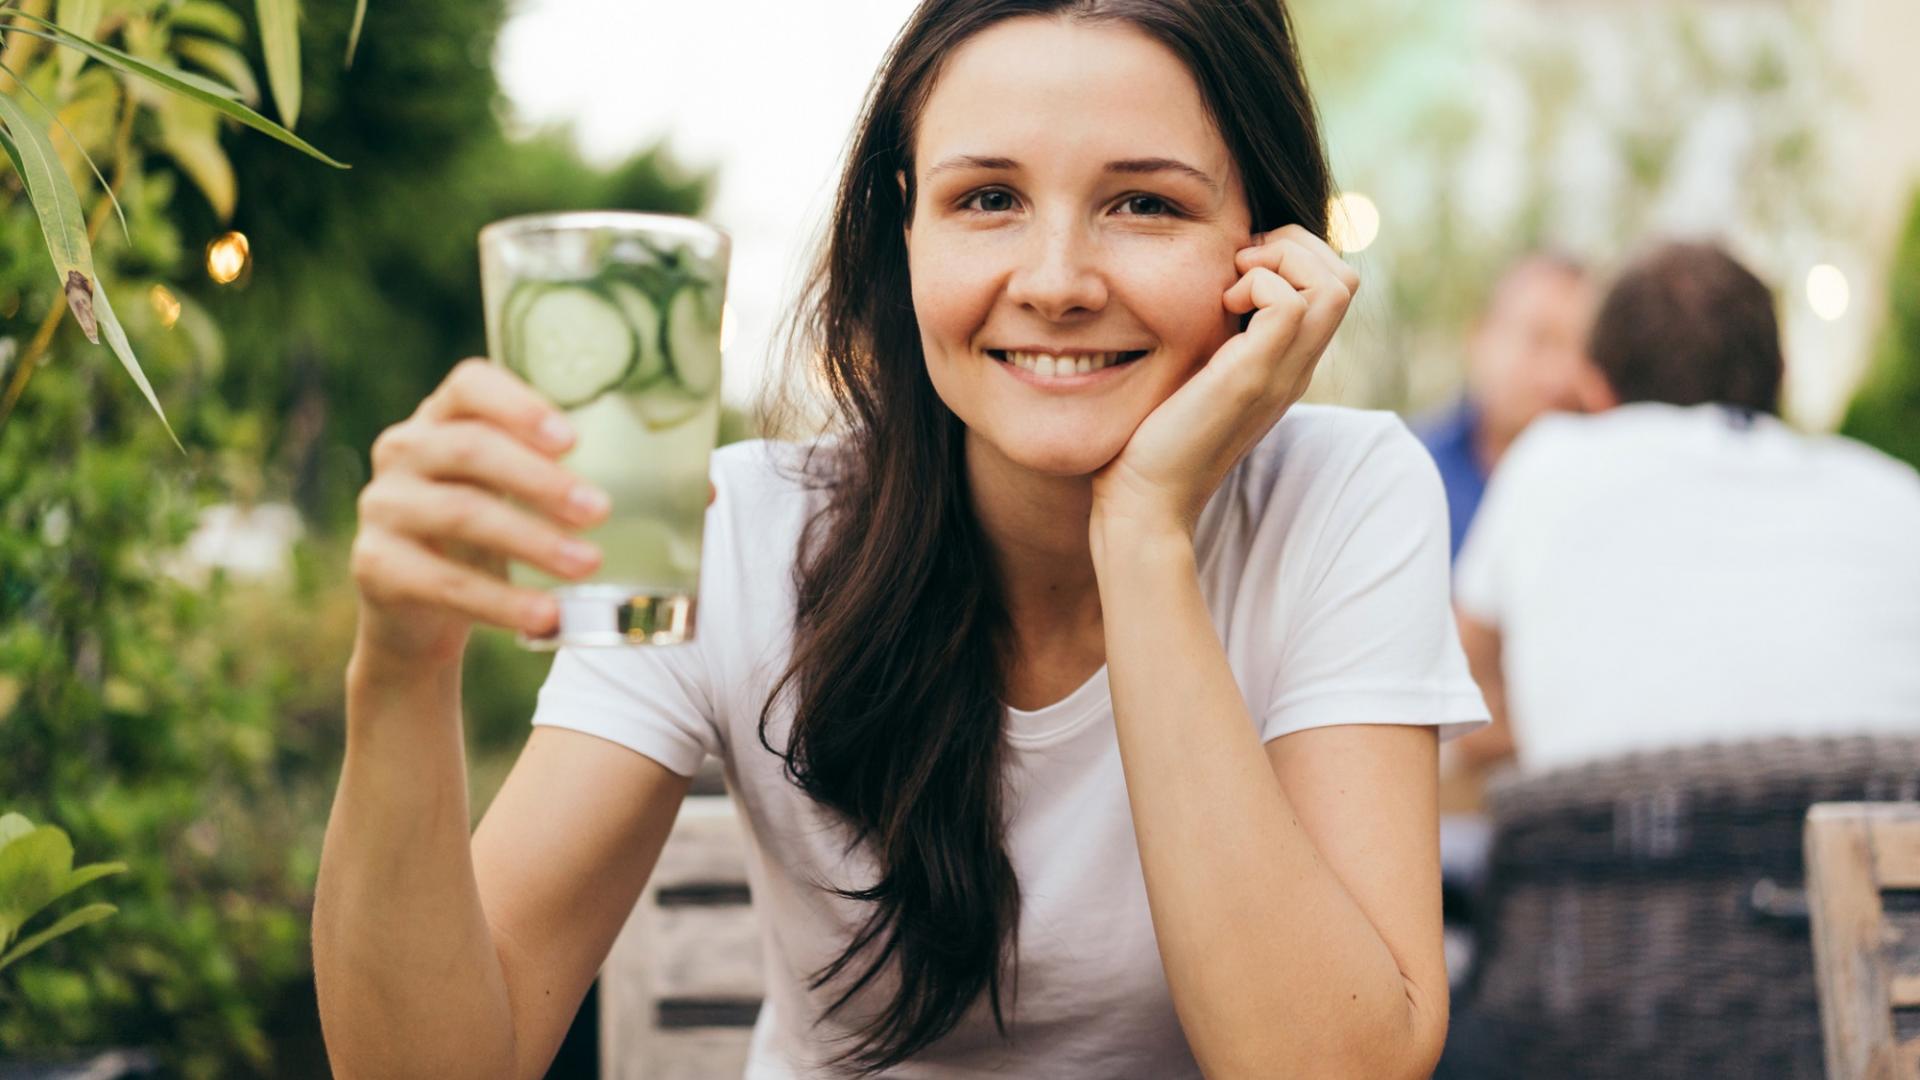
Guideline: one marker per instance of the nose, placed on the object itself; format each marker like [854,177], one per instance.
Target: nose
[1057,274]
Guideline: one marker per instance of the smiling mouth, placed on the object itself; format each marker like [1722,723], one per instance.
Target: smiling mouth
[1049,365]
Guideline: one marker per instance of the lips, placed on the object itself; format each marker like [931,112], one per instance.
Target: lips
[1054,365]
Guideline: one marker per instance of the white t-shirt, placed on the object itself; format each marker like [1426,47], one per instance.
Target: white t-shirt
[1664,576]
[1324,563]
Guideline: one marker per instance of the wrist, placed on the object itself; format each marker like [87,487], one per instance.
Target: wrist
[1133,544]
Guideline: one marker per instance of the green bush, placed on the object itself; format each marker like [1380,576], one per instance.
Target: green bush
[1886,411]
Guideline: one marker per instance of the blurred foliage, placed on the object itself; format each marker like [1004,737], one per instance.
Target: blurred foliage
[1486,131]
[365,288]
[1886,411]
[194,730]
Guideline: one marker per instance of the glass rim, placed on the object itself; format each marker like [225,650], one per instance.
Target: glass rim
[631,220]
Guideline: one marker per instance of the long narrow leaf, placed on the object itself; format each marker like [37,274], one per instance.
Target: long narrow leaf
[280,40]
[224,61]
[206,17]
[58,207]
[72,921]
[13,152]
[118,211]
[107,54]
[65,229]
[117,338]
[80,17]
[185,83]
[353,34]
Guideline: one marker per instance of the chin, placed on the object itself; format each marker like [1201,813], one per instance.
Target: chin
[1064,455]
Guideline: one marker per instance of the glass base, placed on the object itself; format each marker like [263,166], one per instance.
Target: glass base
[601,615]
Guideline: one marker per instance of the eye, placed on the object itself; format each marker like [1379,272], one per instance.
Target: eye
[989,201]
[1148,206]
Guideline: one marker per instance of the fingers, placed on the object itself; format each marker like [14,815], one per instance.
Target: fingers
[479,390]
[396,570]
[1308,251]
[435,514]
[472,452]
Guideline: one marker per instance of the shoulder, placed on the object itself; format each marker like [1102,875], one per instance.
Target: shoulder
[1322,474]
[1326,454]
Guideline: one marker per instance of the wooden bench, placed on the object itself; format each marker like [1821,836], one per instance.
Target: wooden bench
[1863,875]
[682,986]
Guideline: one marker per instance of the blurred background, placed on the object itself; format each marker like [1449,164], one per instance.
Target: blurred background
[174,628]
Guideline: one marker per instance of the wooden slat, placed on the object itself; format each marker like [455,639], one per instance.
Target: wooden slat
[1903,991]
[1896,850]
[689,1054]
[708,845]
[706,952]
[1855,1018]
[703,946]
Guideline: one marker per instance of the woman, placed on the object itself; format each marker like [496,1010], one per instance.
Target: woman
[1085,722]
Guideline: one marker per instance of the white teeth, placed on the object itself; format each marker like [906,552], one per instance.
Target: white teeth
[1049,366]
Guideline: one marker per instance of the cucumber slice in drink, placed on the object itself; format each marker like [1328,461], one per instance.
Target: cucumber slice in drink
[573,344]
[693,339]
[665,405]
[643,316]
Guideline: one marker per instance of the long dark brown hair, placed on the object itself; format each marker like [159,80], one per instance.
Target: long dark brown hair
[900,649]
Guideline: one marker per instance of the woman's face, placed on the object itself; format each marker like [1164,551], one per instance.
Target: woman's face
[1072,200]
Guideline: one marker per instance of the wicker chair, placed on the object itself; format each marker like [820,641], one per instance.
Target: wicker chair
[1644,917]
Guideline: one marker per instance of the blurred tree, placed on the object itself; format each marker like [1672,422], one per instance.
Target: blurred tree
[365,285]
[1886,411]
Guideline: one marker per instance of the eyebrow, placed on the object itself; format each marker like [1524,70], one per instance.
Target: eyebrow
[1127,166]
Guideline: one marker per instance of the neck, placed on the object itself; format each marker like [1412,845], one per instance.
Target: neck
[1036,527]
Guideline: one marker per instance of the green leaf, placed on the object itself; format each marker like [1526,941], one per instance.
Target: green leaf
[13,152]
[32,871]
[107,54]
[202,90]
[224,61]
[190,134]
[353,34]
[280,40]
[68,923]
[117,338]
[13,827]
[58,207]
[80,17]
[206,17]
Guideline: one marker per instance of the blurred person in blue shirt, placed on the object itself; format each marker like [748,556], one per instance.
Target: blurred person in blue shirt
[1526,356]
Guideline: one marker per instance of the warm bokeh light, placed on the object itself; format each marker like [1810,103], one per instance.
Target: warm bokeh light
[1353,222]
[165,305]
[227,257]
[726,326]
[1828,292]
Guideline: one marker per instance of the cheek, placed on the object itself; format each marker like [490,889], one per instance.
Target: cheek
[953,291]
[1177,291]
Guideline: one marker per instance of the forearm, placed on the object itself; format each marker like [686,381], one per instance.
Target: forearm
[409,979]
[1273,967]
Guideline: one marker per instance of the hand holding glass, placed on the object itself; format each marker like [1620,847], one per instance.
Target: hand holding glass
[614,317]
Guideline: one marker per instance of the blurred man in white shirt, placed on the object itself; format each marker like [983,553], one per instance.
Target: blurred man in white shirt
[1684,567]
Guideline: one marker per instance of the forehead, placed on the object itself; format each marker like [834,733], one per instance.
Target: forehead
[1035,86]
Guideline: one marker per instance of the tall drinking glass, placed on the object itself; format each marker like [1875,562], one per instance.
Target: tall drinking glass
[615,318]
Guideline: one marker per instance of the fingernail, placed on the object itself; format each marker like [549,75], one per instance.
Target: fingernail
[555,431]
[541,613]
[585,501]
[579,552]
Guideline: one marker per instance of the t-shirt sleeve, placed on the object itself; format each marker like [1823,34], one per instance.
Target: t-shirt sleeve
[655,700]
[1371,637]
